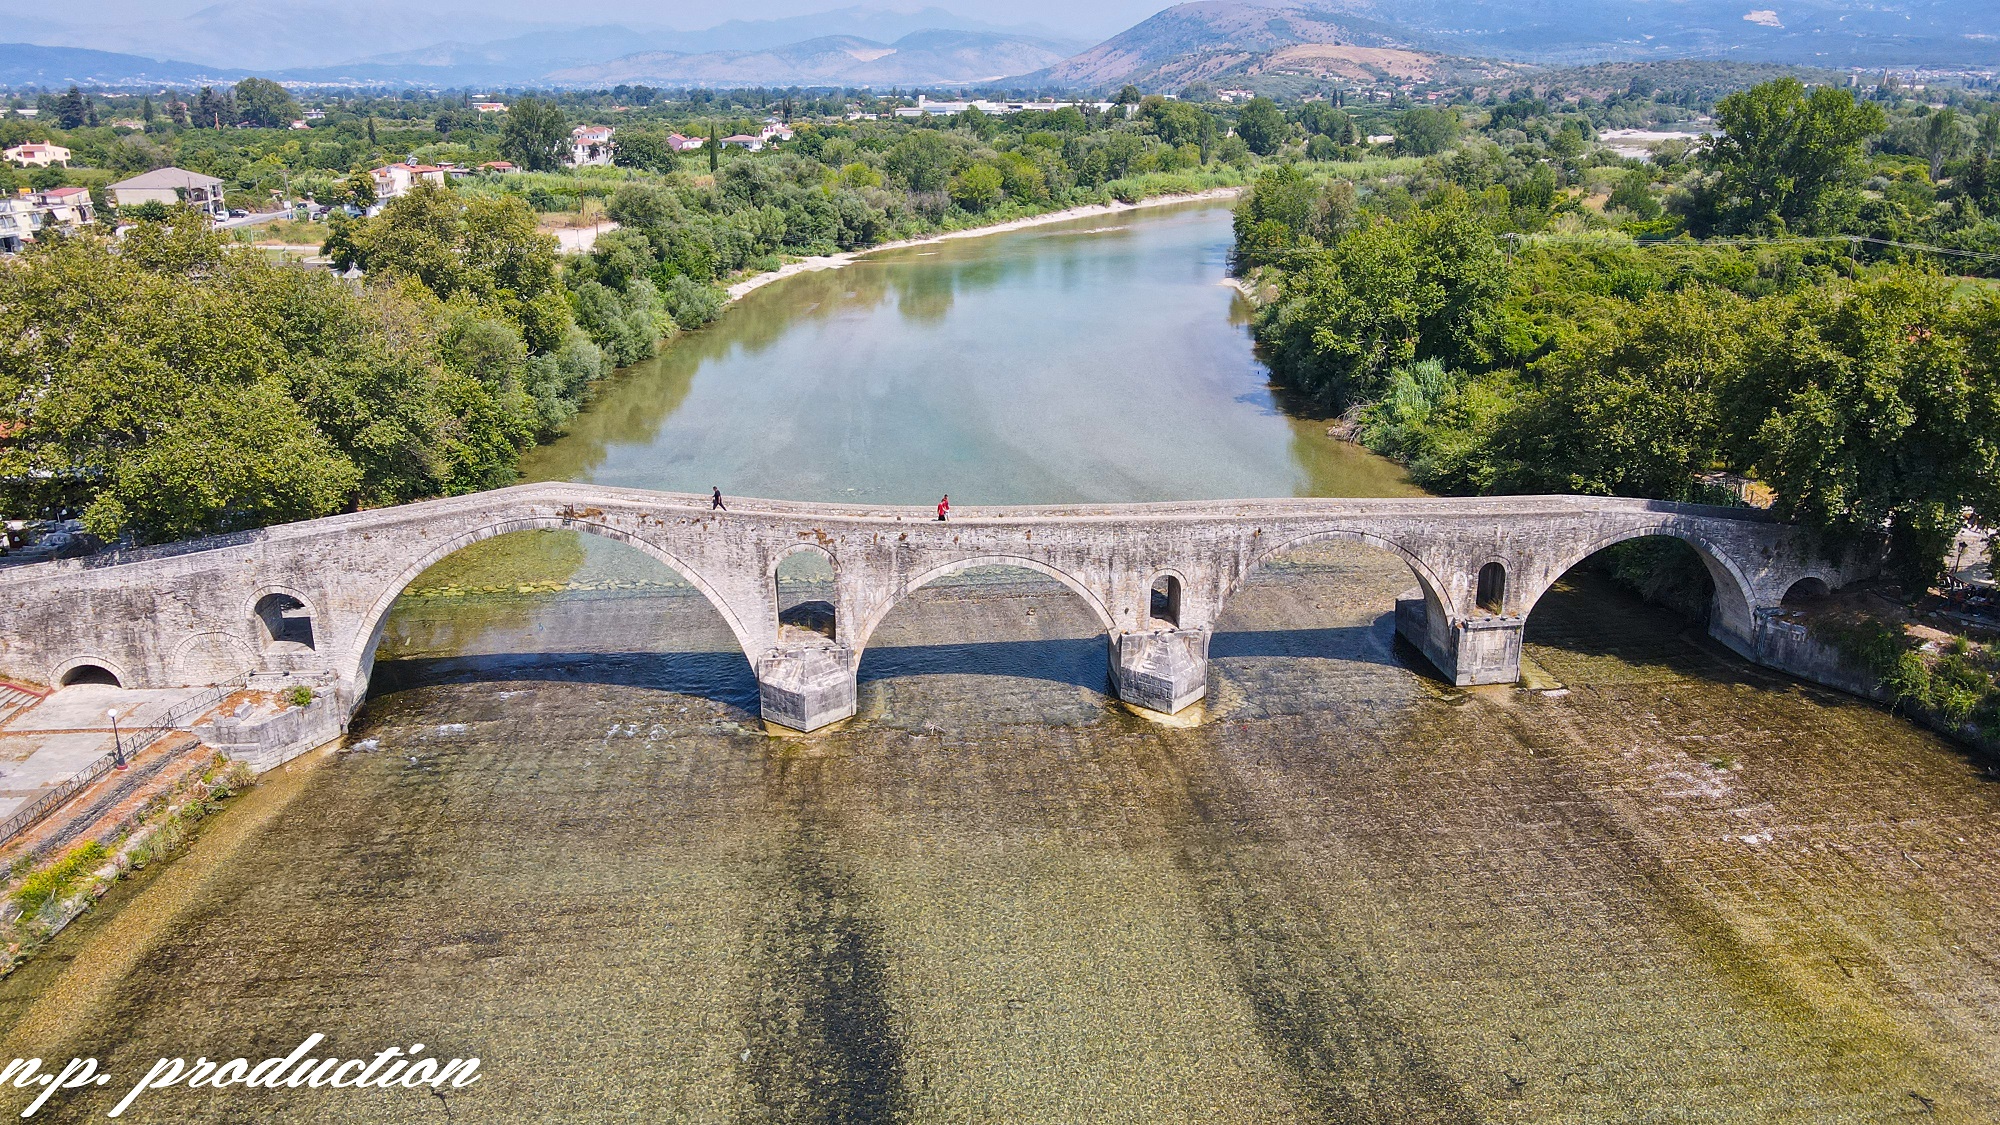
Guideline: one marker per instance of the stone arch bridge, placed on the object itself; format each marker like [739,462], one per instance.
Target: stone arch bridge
[311,597]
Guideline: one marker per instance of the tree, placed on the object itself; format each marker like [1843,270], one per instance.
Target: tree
[1783,159]
[1941,139]
[487,249]
[264,103]
[146,109]
[1178,123]
[1873,406]
[358,189]
[1425,130]
[922,160]
[1262,126]
[213,110]
[1634,193]
[643,149]
[71,109]
[1276,217]
[977,188]
[1425,287]
[714,147]
[535,136]
[1628,408]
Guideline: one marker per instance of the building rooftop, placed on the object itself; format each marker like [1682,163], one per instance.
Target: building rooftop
[169,178]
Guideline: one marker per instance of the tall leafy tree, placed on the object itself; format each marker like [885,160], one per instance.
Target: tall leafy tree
[922,160]
[1628,408]
[1426,287]
[264,103]
[642,149]
[1942,139]
[1426,130]
[1784,159]
[486,249]
[72,109]
[1262,126]
[535,136]
[1876,406]
[213,110]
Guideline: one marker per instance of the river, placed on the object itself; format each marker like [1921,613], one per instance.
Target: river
[1660,885]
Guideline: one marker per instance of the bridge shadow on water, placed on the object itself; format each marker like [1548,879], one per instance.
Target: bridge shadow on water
[726,677]
[1084,661]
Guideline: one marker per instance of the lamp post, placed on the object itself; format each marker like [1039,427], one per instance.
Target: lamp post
[117,741]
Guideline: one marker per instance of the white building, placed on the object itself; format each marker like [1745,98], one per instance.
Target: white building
[928,108]
[23,216]
[685,144]
[589,144]
[19,220]
[38,154]
[66,207]
[170,186]
[392,180]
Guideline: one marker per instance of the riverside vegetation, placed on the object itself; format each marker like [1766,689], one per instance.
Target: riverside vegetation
[173,385]
[44,895]
[1480,322]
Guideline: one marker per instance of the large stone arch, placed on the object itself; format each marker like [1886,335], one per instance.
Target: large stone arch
[943,570]
[1436,592]
[1735,593]
[358,662]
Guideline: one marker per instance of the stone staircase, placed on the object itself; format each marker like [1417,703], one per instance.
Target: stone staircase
[14,699]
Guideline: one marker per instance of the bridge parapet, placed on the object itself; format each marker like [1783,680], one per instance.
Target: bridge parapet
[313,596]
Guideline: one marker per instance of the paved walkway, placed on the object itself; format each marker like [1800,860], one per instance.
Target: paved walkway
[44,743]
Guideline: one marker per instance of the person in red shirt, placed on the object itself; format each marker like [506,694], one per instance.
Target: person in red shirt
[944,506]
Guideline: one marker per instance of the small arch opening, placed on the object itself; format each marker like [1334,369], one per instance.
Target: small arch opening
[1806,591]
[90,674]
[807,596]
[286,620]
[1492,592]
[1166,601]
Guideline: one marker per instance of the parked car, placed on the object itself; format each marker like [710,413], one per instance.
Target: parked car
[238,213]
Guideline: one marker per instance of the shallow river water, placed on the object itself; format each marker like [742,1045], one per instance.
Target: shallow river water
[1664,887]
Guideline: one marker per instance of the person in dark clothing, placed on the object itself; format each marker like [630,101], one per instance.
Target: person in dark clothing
[944,507]
[715,501]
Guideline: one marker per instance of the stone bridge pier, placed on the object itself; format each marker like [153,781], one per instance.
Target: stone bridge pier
[311,598]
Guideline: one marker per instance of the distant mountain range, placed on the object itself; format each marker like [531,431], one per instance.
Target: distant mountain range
[1224,40]
[1234,41]
[24,64]
[1261,43]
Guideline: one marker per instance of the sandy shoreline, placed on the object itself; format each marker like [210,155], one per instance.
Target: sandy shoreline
[834,261]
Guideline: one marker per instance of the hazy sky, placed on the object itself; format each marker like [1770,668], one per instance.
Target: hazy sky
[1082,18]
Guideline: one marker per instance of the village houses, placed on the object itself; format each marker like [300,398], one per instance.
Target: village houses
[38,154]
[590,145]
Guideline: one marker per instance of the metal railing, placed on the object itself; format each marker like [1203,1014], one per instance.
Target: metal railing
[34,812]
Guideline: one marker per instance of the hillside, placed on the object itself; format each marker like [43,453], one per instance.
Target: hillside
[934,56]
[1241,41]
[25,64]
[1206,39]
